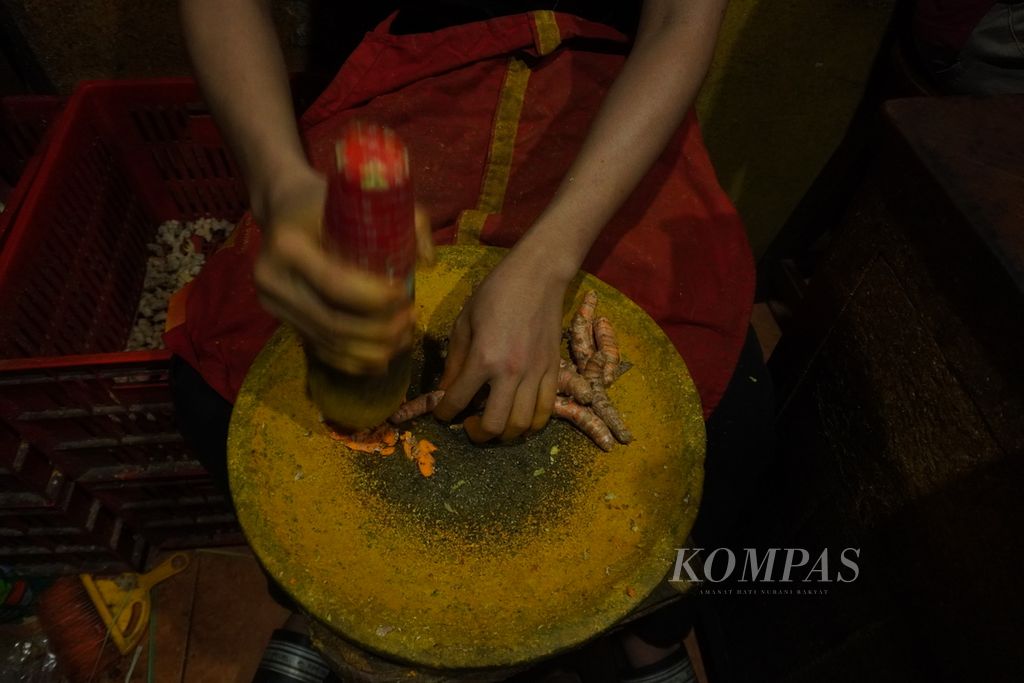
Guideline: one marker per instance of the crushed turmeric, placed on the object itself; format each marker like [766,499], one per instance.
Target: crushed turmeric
[379,441]
[420,452]
[424,457]
[408,445]
[383,441]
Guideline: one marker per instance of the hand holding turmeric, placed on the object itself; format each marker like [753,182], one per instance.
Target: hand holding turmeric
[507,338]
[582,399]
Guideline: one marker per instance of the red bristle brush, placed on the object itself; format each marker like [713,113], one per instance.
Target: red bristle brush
[92,622]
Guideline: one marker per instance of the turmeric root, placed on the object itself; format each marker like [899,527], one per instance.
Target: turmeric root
[572,383]
[421,405]
[581,331]
[584,418]
[380,440]
[474,430]
[595,373]
[620,370]
[604,409]
[594,370]
[588,305]
[607,345]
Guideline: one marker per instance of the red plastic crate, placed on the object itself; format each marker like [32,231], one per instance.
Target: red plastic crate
[124,157]
[24,123]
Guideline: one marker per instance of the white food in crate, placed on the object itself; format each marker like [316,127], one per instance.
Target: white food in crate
[173,264]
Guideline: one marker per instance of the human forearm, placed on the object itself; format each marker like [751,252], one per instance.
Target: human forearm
[643,109]
[238,61]
[351,319]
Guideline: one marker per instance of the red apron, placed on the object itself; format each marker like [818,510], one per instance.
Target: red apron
[493,113]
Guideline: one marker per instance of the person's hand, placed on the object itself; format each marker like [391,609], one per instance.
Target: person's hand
[354,321]
[507,336]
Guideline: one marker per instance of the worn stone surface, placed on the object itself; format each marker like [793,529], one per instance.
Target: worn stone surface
[509,552]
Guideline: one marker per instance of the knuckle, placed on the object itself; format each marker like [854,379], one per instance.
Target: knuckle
[330,352]
[485,359]
[373,353]
[513,365]
[351,366]
[517,426]
[335,327]
[379,359]
[491,426]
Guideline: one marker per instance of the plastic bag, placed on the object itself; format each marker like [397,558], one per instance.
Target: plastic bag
[25,656]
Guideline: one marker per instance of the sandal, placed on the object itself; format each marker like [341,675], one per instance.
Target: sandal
[290,658]
[674,668]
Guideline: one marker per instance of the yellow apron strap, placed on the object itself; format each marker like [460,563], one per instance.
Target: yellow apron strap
[499,156]
[470,223]
[546,35]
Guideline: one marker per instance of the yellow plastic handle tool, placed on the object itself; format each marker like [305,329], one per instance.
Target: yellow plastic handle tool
[123,601]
